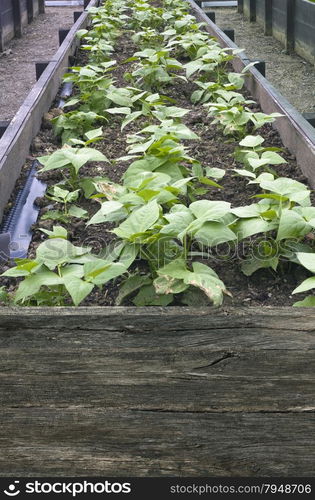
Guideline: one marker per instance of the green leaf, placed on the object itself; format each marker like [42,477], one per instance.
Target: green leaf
[307,284]
[101,273]
[247,227]
[167,284]
[267,196]
[96,267]
[197,169]
[192,67]
[167,112]
[130,118]
[216,173]
[120,96]
[175,269]
[209,182]
[214,233]
[196,96]
[25,268]
[307,302]
[244,173]
[207,280]
[72,270]
[267,158]
[252,141]
[77,288]
[273,158]
[142,147]
[194,297]
[247,211]
[107,209]
[128,254]
[68,156]
[71,102]
[307,260]
[131,285]
[292,225]
[32,284]
[78,212]
[57,232]
[148,297]
[147,164]
[57,251]
[139,221]
[56,215]
[54,161]
[119,111]
[177,222]
[210,210]
[250,65]
[80,33]
[290,188]
[252,265]
[96,132]
[4,295]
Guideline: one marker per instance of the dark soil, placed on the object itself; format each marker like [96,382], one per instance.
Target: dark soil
[263,288]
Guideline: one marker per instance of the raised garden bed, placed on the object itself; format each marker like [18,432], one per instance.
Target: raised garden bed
[237,250]
[16,141]
[183,344]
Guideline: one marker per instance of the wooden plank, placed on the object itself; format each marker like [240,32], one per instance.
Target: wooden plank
[206,353]
[6,23]
[290,26]
[268,18]
[30,10]
[252,11]
[41,6]
[157,391]
[3,126]
[1,35]
[17,17]
[310,117]
[173,379]
[99,442]
[274,324]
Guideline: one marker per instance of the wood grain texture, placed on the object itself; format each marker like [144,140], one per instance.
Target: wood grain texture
[157,391]
[83,441]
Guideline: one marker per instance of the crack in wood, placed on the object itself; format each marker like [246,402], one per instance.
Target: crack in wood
[289,411]
[181,411]
[226,355]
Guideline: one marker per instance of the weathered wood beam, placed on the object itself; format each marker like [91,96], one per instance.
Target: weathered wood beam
[268,18]
[41,6]
[17,18]
[152,391]
[290,26]
[30,10]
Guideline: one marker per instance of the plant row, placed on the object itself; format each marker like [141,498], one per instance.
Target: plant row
[160,212]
